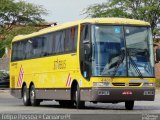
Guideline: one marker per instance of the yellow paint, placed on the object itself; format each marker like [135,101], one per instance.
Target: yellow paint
[53,71]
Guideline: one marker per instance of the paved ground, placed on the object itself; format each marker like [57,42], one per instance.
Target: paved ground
[9,104]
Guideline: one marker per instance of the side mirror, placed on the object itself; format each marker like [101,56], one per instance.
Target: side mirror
[157,54]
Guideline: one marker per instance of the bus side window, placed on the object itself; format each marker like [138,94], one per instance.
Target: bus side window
[75,38]
[38,46]
[20,50]
[71,39]
[47,49]
[85,51]
[59,42]
[28,51]
[68,41]
[14,51]
[53,43]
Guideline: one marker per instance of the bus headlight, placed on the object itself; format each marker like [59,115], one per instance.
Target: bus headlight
[148,85]
[101,84]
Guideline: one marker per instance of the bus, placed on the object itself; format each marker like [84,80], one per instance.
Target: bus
[106,60]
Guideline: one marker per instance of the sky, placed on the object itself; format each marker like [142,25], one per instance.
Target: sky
[62,11]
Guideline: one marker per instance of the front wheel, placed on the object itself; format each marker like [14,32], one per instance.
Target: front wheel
[34,101]
[129,105]
[79,104]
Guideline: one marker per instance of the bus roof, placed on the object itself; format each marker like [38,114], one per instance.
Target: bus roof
[116,21]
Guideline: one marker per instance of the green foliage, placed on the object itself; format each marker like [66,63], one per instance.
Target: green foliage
[14,32]
[18,12]
[156,31]
[147,10]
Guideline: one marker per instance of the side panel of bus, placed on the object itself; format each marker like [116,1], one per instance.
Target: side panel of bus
[52,76]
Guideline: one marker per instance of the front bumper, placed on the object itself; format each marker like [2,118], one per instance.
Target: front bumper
[118,94]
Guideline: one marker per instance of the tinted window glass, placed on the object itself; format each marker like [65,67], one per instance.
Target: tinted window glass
[71,39]
[29,49]
[59,42]
[38,45]
[84,32]
[14,53]
[49,44]
[18,51]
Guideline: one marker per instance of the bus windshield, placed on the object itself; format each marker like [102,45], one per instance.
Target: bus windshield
[122,51]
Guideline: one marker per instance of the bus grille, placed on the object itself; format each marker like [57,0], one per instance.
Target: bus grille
[123,84]
[118,84]
[134,84]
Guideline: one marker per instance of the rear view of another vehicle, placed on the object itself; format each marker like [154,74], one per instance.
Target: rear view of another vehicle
[4,79]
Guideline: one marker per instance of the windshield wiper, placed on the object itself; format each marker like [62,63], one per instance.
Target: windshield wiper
[120,60]
[134,64]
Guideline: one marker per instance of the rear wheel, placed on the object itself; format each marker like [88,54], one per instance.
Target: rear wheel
[79,104]
[34,101]
[129,105]
[25,96]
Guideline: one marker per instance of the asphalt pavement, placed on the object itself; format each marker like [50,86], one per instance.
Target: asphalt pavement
[143,110]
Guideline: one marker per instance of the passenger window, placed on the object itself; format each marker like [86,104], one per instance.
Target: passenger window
[59,42]
[71,39]
[29,49]
[45,45]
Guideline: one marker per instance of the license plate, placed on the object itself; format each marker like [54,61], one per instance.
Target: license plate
[103,93]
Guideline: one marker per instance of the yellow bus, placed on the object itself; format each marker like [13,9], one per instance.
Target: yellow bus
[107,60]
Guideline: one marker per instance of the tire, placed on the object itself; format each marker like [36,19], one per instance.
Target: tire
[34,101]
[129,105]
[25,96]
[79,104]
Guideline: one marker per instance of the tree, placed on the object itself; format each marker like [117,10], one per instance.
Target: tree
[17,12]
[16,30]
[147,10]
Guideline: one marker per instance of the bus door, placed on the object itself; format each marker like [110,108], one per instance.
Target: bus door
[85,50]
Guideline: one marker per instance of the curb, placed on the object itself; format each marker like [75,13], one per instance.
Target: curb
[4,90]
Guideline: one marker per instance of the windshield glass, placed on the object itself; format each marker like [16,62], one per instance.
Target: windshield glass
[139,51]
[122,51]
[109,51]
